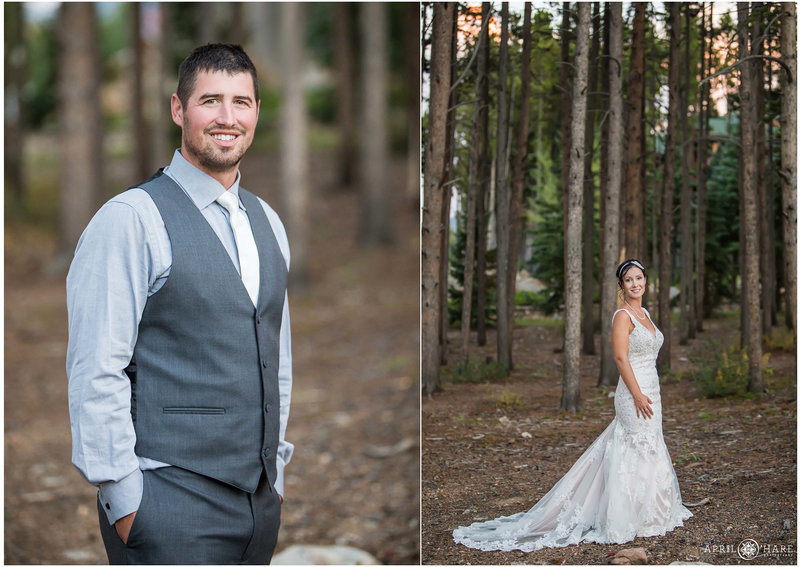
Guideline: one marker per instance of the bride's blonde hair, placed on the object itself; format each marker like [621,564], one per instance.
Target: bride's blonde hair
[622,269]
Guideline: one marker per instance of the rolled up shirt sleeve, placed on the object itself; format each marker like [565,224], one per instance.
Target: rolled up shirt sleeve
[107,288]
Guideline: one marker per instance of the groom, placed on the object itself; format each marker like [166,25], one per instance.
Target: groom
[179,356]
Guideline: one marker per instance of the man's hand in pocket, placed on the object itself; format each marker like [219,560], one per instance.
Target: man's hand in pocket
[123,526]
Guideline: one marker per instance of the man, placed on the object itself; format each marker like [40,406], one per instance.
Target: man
[179,356]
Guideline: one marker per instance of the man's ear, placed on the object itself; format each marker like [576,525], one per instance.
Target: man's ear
[177,110]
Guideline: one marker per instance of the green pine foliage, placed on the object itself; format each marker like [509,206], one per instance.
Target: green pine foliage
[455,291]
[722,238]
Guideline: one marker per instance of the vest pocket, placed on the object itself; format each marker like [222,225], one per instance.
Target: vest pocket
[205,411]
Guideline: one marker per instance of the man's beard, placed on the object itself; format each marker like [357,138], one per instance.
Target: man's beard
[215,158]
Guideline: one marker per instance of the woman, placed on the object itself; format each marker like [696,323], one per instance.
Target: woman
[624,485]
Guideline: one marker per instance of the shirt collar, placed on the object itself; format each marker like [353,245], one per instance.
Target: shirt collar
[201,188]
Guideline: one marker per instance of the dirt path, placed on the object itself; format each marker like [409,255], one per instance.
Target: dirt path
[740,455]
[354,477]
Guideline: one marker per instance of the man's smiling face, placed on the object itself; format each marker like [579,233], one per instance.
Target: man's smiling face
[218,121]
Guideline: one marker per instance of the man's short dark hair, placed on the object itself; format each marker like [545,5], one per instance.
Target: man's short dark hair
[213,57]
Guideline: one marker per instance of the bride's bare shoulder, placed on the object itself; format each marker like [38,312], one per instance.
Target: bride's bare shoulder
[622,322]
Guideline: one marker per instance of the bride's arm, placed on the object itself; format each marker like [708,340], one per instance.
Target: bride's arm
[623,326]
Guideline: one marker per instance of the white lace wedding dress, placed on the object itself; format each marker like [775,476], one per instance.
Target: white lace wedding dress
[622,487]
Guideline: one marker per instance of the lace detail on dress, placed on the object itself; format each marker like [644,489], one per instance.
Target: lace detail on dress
[623,486]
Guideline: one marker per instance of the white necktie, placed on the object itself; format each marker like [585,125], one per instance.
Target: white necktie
[245,244]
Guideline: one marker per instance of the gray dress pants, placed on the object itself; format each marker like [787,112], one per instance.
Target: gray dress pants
[186,518]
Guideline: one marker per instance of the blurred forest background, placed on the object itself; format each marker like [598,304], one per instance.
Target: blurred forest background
[87,90]
[559,139]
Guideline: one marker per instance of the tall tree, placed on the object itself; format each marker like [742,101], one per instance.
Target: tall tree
[789,157]
[411,45]
[571,391]
[160,75]
[81,131]
[611,205]
[484,174]
[377,225]
[635,235]
[15,59]
[702,144]
[502,198]
[749,175]
[668,191]
[140,130]
[588,187]
[516,217]
[685,327]
[434,178]
[344,66]
[294,139]
[766,260]
[566,103]
[450,153]
[473,182]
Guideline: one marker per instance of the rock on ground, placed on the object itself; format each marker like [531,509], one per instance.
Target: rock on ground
[323,555]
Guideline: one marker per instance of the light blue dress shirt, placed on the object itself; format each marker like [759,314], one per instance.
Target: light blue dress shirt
[123,257]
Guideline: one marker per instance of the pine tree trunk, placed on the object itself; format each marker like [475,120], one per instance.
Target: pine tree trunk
[668,191]
[434,178]
[160,75]
[749,124]
[702,143]
[294,140]
[140,130]
[609,374]
[472,191]
[789,158]
[444,319]
[344,73]
[483,190]
[687,245]
[588,187]
[767,268]
[411,43]
[502,198]
[81,131]
[635,232]
[571,392]
[235,35]
[773,257]
[565,85]
[516,217]
[377,225]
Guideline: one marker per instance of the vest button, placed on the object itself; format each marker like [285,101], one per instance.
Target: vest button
[258,320]
[265,452]
[266,408]
[263,363]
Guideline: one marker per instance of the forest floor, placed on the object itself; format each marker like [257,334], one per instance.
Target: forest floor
[494,449]
[354,476]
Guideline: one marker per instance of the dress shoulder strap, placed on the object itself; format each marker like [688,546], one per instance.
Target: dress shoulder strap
[632,318]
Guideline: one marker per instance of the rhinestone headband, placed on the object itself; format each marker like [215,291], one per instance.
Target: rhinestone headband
[629,263]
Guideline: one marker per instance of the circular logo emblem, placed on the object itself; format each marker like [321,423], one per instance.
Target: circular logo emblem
[748,549]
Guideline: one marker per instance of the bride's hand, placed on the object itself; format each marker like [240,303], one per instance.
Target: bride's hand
[642,403]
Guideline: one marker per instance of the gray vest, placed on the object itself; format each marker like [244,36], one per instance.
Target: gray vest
[204,373]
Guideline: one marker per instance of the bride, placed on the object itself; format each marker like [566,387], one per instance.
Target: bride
[624,485]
